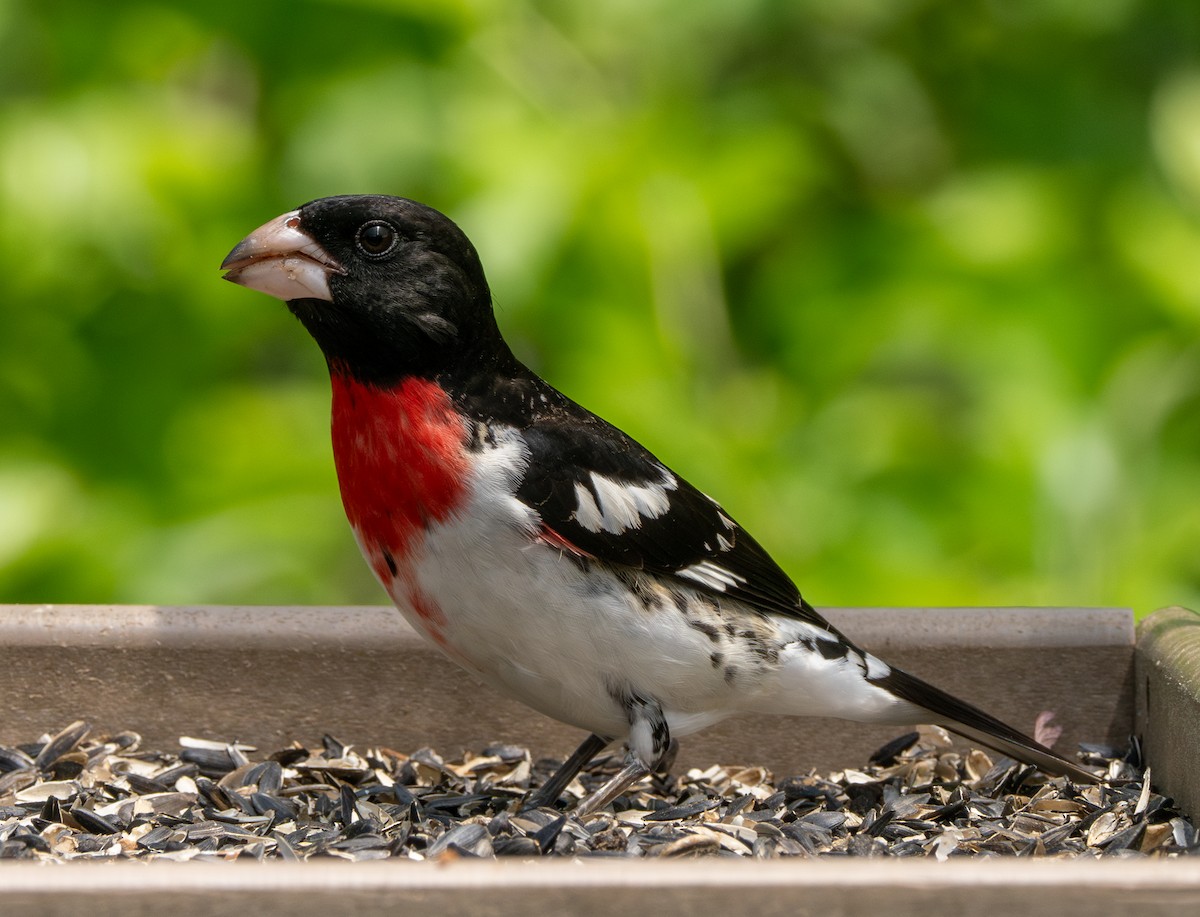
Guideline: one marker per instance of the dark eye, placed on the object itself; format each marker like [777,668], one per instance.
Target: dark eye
[377,238]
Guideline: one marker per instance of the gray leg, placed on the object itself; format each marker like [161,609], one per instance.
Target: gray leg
[547,794]
[649,740]
[634,770]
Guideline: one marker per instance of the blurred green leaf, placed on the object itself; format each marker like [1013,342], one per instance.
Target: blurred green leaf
[911,286]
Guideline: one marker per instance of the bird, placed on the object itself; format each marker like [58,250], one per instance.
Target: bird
[536,545]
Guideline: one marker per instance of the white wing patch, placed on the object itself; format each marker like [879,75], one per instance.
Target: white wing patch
[587,513]
[712,575]
[621,506]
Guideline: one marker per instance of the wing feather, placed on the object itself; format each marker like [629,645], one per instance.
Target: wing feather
[599,490]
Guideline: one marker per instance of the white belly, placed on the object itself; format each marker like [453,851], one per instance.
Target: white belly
[564,640]
[569,638]
[540,627]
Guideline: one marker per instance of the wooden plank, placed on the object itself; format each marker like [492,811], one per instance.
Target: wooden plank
[268,675]
[803,888]
[1168,702]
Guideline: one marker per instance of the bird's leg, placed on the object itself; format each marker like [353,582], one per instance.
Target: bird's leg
[547,794]
[634,770]
[649,740]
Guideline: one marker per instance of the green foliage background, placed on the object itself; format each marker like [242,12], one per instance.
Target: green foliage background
[912,286]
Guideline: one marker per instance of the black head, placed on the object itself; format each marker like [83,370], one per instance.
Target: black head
[388,287]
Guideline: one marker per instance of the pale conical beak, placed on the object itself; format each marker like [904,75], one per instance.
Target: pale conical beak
[282,261]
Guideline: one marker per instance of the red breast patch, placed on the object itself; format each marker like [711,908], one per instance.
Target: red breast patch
[401,465]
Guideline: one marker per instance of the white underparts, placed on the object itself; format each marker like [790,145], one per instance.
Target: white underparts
[641,739]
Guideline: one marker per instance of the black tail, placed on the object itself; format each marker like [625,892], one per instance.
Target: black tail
[949,711]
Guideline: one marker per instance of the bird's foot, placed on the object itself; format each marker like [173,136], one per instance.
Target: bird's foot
[649,741]
[634,770]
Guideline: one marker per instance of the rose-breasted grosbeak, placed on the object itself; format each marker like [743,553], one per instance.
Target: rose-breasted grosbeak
[536,545]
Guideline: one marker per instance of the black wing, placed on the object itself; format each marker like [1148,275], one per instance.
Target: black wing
[601,492]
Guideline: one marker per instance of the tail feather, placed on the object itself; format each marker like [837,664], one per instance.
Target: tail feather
[947,710]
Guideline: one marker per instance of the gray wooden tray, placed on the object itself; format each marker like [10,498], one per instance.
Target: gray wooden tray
[269,675]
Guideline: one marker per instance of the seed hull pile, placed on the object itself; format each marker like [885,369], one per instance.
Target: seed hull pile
[71,797]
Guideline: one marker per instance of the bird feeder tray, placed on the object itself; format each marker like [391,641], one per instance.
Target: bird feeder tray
[266,676]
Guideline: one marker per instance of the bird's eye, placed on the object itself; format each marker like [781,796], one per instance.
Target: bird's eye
[377,238]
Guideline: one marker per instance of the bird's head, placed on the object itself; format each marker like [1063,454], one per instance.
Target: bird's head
[387,287]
